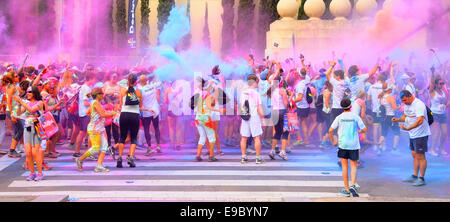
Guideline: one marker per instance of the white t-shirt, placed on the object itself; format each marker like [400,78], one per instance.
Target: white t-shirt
[254,100]
[82,109]
[149,100]
[338,92]
[374,92]
[412,112]
[356,84]
[348,124]
[300,88]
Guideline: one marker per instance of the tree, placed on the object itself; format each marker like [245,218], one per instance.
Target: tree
[186,41]
[164,8]
[267,14]
[206,39]
[245,25]
[301,11]
[327,14]
[121,21]
[47,17]
[145,27]
[228,27]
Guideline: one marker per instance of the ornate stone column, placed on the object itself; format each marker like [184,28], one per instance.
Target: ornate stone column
[366,8]
[314,9]
[340,9]
[288,9]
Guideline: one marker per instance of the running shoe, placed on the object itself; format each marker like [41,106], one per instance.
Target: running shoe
[250,151]
[39,177]
[323,145]
[14,154]
[305,142]
[31,177]
[220,153]
[111,152]
[345,193]
[244,160]
[101,169]
[50,156]
[56,153]
[354,191]
[277,150]
[149,151]
[433,153]
[419,182]
[119,162]
[272,154]
[45,166]
[3,152]
[92,157]
[158,149]
[130,161]
[283,155]
[20,149]
[360,165]
[260,161]
[288,149]
[79,164]
[444,153]
[76,155]
[212,159]
[298,142]
[410,179]
[198,159]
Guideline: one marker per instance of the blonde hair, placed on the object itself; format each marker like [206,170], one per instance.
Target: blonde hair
[67,79]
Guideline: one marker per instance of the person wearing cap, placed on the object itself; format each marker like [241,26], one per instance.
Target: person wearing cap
[415,120]
[302,105]
[410,85]
[374,111]
[348,125]
[151,96]
[387,100]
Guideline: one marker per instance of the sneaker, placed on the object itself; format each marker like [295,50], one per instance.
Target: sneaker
[410,179]
[305,142]
[149,151]
[345,193]
[20,149]
[272,154]
[79,164]
[260,161]
[111,152]
[119,162]
[419,182]
[76,155]
[56,153]
[14,154]
[3,152]
[354,191]
[444,153]
[130,161]
[359,165]
[39,177]
[45,166]
[288,150]
[94,158]
[220,153]
[71,146]
[101,169]
[323,145]
[298,142]
[250,151]
[434,153]
[31,177]
[244,160]
[283,155]
[50,156]
[277,150]
[198,159]
[158,149]
[212,159]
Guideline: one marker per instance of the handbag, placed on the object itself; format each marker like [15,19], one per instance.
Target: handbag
[46,126]
[291,122]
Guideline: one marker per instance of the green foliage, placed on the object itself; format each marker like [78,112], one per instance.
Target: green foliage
[145,26]
[186,41]
[244,32]
[164,8]
[121,21]
[228,27]
[206,39]
[47,18]
[301,11]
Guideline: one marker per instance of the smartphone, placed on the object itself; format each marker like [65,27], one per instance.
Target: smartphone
[275,44]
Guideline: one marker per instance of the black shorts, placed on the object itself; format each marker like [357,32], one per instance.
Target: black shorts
[348,154]
[56,117]
[335,112]
[302,112]
[419,145]
[84,122]
[73,119]
[320,116]
[388,124]
[440,118]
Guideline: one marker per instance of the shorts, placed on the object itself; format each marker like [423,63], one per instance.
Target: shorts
[18,129]
[56,117]
[73,119]
[419,145]
[335,112]
[377,120]
[302,113]
[320,115]
[440,118]
[388,124]
[84,122]
[31,137]
[348,154]
[252,127]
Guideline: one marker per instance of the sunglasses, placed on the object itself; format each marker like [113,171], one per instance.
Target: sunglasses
[29,91]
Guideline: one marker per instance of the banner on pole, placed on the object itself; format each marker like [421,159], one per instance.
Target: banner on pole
[132,23]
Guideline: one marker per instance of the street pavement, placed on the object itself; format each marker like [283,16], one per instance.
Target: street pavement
[310,174]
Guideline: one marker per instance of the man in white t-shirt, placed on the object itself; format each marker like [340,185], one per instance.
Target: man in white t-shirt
[357,80]
[373,93]
[416,123]
[340,84]
[348,124]
[302,105]
[253,126]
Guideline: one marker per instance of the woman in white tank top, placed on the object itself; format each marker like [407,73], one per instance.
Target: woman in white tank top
[388,101]
[439,104]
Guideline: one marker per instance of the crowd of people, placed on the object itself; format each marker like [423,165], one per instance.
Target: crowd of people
[273,101]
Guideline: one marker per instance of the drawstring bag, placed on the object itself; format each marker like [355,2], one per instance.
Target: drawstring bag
[131,98]
[291,122]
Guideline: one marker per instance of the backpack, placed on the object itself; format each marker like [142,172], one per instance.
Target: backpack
[131,99]
[347,93]
[309,97]
[245,111]
[319,102]
[429,116]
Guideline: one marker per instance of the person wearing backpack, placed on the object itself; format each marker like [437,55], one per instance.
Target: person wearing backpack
[387,103]
[251,126]
[417,124]
[131,105]
[302,100]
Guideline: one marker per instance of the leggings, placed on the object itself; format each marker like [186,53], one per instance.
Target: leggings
[279,131]
[204,132]
[115,133]
[129,122]
[98,142]
[146,121]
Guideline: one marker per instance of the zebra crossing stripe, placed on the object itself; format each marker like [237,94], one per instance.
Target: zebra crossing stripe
[7,161]
[192,173]
[164,183]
